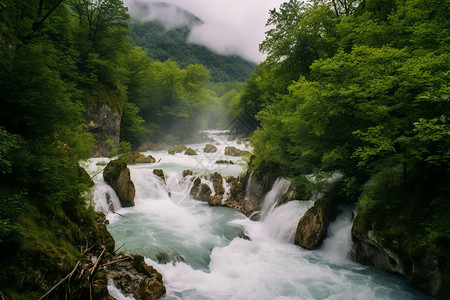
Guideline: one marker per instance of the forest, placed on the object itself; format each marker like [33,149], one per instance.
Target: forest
[360,89]
[59,57]
[354,88]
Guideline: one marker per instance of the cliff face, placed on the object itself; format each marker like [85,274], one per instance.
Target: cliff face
[425,271]
[104,124]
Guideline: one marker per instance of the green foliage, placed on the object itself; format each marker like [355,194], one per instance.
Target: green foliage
[360,88]
[162,44]
[51,58]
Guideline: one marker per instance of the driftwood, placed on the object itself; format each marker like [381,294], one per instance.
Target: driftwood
[62,280]
[92,270]
[83,267]
[116,261]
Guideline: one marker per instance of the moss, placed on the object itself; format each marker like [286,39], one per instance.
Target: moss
[48,248]
[113,169]
[114,98]
[190,151]
[134,157]
[176,149]
[85,178]
[101,163]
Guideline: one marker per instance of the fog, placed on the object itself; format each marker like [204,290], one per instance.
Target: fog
[230,26]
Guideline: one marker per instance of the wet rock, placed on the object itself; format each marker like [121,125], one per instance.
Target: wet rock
[215,200]
[117,175]
[221,161]
[187,173]
[136,278]
[210,148]
[190,151]
[164,258]
[100,285]
[134,157]
[159,173]
[312,227]
[218,184]
[196,187]
[177,149]
[233,151]
[204,193]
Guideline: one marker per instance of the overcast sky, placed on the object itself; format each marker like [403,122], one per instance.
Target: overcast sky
[231,26]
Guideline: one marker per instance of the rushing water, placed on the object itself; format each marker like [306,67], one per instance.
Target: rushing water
[217,253]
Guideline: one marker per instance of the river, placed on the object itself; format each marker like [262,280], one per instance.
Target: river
[209,252]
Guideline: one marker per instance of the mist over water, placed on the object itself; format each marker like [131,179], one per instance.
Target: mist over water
[208,252]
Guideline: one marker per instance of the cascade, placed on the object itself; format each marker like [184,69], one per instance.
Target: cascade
[208,252]
[271,199]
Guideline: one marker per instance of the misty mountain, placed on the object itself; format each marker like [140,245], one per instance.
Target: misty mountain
[162,30]
[170,15]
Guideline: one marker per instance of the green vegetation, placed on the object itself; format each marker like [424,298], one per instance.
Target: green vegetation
[62,61]
[360,88]
[161,43]
[55,57]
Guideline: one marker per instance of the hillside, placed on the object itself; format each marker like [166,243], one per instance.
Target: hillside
[162,40]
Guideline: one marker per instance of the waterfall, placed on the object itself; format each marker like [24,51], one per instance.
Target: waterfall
[271,199]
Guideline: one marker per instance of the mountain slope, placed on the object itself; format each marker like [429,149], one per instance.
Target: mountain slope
[165,36]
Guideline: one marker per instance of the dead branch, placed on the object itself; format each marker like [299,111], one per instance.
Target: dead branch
[115,251]
[62,280]
[92,270]
[114,262]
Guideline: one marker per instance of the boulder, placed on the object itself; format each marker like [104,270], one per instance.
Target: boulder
[312,227]
[218,184]
[135,157]
[117,175]
[233,151]
[190,151]
[200,191]
[176,149]
[159,173]
[204,193]
[187,173]
[137,278]
[210,148]
[196,187]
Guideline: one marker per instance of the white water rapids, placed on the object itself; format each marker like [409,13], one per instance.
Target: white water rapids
[217,253]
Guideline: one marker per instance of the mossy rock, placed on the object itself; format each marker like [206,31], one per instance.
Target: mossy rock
[159,173]
[190,151]
[134,157]
[221,161]
[187,173]
[177,149]
[117,175]
[210,148]
[233,151]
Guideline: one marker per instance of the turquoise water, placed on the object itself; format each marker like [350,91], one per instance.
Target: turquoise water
[217,253]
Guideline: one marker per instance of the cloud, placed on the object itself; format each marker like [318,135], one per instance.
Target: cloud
[230,26]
